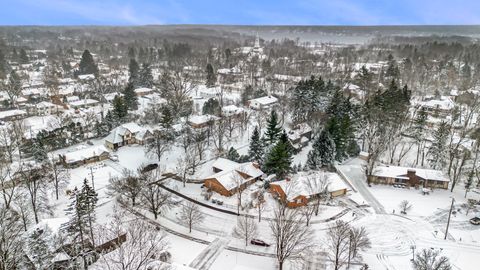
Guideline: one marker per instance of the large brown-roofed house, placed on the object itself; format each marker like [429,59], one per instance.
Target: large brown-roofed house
[231,176]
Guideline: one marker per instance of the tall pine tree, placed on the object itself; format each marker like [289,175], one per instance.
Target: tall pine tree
[437,152]
[256,150]
[145,76]
[87,64]
[211,77]
[279,159]
[273,129]
[323,151]
[130,97]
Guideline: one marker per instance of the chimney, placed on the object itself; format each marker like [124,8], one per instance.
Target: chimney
[412,177]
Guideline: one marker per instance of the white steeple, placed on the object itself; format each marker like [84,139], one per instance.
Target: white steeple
[257,41]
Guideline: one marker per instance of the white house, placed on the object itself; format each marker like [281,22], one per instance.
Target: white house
[265,102]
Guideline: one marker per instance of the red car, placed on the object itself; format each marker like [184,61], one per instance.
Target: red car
[258,242]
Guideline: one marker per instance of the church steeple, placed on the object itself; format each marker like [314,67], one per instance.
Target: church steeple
[257,41]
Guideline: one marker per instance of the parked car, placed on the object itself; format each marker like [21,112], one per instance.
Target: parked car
[113,157]
[259,242]
[475,221]
[149,167]
[219,202]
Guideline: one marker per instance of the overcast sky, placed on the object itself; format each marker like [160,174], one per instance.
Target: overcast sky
[249,12]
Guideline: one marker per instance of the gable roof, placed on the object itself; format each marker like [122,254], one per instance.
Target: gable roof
[229,177]
[401,173]
[299,186]
[116,135]
[85,153]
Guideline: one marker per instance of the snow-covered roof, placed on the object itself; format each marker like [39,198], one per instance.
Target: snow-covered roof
[202,119]
[299,131]
[444,103]
[401,173]
[33,125]
[44,105]
[231,110]
[83,102]
[229,177]
[85,153]
[225,164]
[143,90]
[11,113]
[266,100]
[301,184]
[86,77]
[116,135]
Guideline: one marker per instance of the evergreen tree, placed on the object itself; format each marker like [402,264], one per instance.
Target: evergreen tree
[211,77]
[39,248]
[392,69]
[4,67]
[167,119]
[437,151]
[145,76]
[23,57]
[419,130]
[212,106]
[323,151]
[279,159]
[134,71]
[309,98]
[256,150]
[130,97]
[120,109]
[87,64]
[273,129]
[341,126]
[15,81]
[232,154]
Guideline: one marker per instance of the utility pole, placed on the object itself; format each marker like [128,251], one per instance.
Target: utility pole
[448,222]
[91,174]
[412,247]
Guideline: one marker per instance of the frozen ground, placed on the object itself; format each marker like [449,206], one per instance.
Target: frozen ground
[393,235]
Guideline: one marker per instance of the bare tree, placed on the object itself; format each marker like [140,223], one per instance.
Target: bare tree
[307,212]
[8,183]
[293,239]
[357,241]
[154,198]
[11,246]
[246,228]
[429,259]
[159,144]
[239,181]
[176,87]
[21,205]
[404,206]
[128,185]
[60,175]
[35,183]
[143,245]
[318,187]
[200,142]
[218,133]
[191,214]
[259,203]
[337,243]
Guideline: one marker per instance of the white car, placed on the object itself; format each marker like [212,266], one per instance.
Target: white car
[113,157]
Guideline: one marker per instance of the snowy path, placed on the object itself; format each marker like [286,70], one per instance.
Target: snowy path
[355,175]
[207,257]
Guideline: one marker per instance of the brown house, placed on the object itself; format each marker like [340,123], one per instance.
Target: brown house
[85,156]
[300,191]
[412,177]
[231,176]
